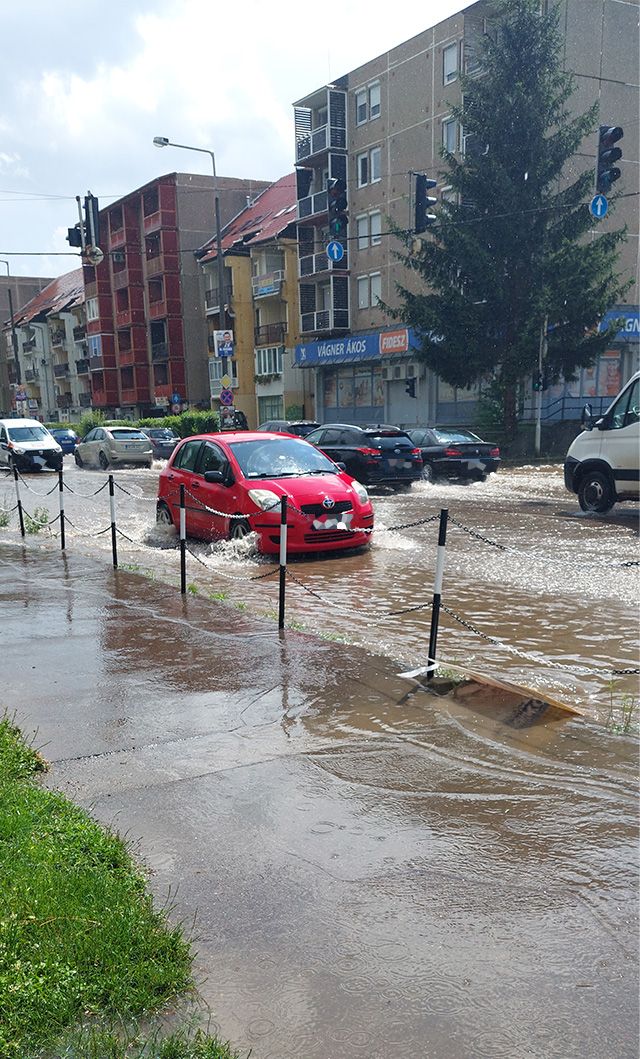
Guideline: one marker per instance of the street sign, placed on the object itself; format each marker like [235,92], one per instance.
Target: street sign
[598,207]
[225,381]
[176,398]
[176,408]
[335,250]
[226,397]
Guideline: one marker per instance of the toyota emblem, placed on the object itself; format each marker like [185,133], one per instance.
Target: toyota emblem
[328,502]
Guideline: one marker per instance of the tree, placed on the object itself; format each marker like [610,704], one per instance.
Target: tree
[514,249]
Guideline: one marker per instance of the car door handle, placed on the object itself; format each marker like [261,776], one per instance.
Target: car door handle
[195,485]
[171,476]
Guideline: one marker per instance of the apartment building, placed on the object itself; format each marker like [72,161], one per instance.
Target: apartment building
[52,383]
[261,301]
[146,327]
[23,289]
[371,129]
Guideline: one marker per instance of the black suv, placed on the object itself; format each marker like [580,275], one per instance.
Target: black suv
[383,455]
[301,427]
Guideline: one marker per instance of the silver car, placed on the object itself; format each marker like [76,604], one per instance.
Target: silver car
[113,447]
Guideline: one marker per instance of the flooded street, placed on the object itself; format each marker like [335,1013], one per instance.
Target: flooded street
[373,870]
[548,582]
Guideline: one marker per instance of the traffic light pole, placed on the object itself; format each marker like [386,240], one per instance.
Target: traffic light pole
[542,356]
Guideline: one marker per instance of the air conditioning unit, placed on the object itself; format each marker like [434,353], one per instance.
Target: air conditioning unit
[412,371]
[118,257]
[394,372]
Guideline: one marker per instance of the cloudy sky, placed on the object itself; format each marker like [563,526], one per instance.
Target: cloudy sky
[85,85]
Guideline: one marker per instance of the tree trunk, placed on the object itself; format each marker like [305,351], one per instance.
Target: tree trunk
[510,411]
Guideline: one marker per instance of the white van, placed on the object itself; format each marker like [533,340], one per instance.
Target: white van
[603,463]
[28,446]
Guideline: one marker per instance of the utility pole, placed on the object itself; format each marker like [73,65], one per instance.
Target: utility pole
[542,356]
[14,337]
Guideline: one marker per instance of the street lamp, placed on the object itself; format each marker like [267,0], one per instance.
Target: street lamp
[162,141]
[14,337]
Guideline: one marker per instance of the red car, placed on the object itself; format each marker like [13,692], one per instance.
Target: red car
[246,474]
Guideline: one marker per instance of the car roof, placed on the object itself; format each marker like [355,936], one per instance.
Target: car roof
[241,435]
[22,423]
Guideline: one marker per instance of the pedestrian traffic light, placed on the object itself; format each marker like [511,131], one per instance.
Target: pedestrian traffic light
[410,387]
[422,218]
[537,381]
[606,172]
[337,196]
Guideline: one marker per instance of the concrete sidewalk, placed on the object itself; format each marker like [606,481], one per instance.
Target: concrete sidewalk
[372,873]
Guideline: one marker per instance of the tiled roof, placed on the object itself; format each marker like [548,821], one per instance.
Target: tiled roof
[61,294]
[267,217]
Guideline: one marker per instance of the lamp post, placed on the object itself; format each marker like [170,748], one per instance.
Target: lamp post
[162,141]
[14,337]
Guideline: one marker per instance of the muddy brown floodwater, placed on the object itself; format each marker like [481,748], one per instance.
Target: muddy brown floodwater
[375,872]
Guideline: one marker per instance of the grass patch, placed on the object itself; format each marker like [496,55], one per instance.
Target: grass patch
[36,522]
[4,517]
[623,713]
[79,936]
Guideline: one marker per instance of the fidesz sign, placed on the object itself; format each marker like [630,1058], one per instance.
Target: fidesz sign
[355,347]
[630,320]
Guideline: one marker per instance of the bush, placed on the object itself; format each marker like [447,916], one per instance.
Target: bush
[186,424]
[88,421]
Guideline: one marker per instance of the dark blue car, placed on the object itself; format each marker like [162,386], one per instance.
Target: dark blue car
[66,438]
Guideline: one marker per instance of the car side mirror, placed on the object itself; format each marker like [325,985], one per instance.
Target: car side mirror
[214,477]
[342,466]
[586,420]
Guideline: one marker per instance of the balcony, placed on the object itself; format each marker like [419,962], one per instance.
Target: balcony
[58,337]
[131,396]
[84,400]
[79,332]
[322,139]
[159,352]
[325,320]
[61,371]
[11,368]
[96,363]
[63,400]
[117,237]
[99,398]
[29,346]
[82,367]
[312,264]
[31,374]
[270,334]
[268,284]
[157,309]
[212,298]
[121,278]
[155,265]
[312,205]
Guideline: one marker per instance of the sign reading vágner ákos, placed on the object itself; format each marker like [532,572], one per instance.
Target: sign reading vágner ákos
[355,347]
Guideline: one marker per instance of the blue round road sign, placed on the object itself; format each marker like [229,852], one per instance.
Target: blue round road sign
[598,207]
[335,250]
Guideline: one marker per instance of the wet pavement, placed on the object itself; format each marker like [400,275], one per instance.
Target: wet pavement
[373,871]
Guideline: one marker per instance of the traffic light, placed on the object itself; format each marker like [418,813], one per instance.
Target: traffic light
[86,232]
[410,387]
[337,196]
[422,218]
[537,381]
[606,172]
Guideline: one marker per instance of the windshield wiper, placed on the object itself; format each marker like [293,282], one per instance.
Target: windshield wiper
[322,470]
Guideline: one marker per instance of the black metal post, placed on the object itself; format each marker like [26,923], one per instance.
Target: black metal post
[183,544]
[114,538]
[19,501]
[437,592]
[283,560]
[61,498]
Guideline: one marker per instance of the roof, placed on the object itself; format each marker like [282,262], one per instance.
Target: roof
[58,296]
[268,216]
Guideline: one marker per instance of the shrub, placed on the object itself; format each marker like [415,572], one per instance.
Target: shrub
[187,423]
[88,421]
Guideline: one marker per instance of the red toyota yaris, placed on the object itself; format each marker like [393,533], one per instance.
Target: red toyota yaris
[234,483]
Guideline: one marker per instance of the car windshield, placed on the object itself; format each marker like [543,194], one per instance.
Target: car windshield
[163,433]
[123,434]
[390,441]
[28,433]
[445,437]
[280,458]
[63,433]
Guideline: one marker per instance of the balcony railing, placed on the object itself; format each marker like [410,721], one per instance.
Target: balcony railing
[267,284]
[84,400]
[270,334]
[96,363]
[79,332]
[13,374]
[312,264]
[325,320]
[212,297]
[29,346]
[63,400]
[31,374]
[159,352]
[313,204]
[58,337]
[60,370]
[319,140]
[82,367]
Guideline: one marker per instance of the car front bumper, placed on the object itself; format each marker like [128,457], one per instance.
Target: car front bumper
[303,538]
[38,460]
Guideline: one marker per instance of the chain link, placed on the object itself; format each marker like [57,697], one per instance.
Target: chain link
[86,496]
[80,532]
[37,491]
[539,558]
[231,577]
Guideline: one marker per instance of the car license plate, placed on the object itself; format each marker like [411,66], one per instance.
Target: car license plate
[408,465]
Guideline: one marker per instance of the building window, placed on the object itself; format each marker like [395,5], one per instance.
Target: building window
[375,228]
[376,164]
[362,228]
[449,63]
[369,166]
[269,360]
[270,408]
[369,228]
[361,107]
[95,345]
[450,135]
[368,103]
[216,370]
[374,101]
[363,169]
[375,281]
[92,309]
[369,290]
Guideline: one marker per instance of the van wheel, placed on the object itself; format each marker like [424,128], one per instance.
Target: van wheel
[596,493]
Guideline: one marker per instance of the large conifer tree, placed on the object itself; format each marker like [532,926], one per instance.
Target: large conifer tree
[516,247]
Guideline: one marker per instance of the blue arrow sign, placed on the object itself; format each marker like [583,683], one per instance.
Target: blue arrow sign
[335,250]
[598,207]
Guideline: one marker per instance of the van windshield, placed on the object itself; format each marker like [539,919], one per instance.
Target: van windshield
[27,433]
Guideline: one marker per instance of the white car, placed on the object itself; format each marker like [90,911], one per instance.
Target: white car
[603,463]
[28,446]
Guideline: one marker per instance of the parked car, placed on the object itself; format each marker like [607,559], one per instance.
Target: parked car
[448,452]
[247,474]
[603,463]
[299,427]
[28,446]
[163,441]
[114,446]
[382,455]
[66,438]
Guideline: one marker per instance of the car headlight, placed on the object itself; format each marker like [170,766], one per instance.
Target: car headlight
[360,492]
[18,450]
[265,499]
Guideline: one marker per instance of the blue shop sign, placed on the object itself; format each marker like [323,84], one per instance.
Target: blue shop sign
[630,330]
[352,348]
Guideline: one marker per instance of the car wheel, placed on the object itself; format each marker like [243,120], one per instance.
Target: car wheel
[103,461]
[596,493]
[78,459]
[149,465]
[163,515]
[240,529]
[427,473]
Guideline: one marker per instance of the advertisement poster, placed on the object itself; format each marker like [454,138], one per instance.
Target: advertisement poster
[223,343]
[378,390]
[589,382]
[330,392]
[609,375]
[363,390]
[345,390]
